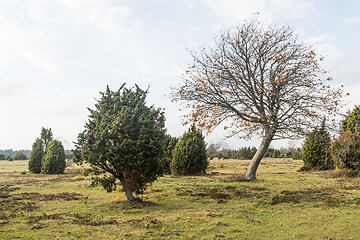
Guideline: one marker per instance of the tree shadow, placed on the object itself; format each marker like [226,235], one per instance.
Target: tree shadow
[326,196]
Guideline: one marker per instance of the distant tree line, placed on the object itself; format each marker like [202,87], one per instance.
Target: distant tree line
[245,153]
[24,154]
[16,155]
[242,153]
[289,152]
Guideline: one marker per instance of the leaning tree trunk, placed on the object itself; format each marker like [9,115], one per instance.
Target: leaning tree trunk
[255,161]
[128,192]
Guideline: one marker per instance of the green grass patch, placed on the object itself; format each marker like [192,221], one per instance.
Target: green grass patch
[281,204]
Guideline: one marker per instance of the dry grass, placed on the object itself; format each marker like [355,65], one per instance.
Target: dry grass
[281,204]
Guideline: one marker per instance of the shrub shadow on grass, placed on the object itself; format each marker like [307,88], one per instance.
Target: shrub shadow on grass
[221,193]
[323,196]
[252,193]
[36,219]
[27,201]
[37,222]
[204,192]
[4,191]
[128,205]
[89,220]
[235,178]
[239,178]
[17,206]
[66,196]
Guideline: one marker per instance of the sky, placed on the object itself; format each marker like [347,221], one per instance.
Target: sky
[56,56]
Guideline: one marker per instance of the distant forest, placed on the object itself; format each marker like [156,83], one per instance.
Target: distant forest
[4,154]
[11,153]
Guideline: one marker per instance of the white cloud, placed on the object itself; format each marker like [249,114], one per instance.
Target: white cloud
[23,46]
[123,12]
[325,46]
[234,11]
[353,99]
[346,67]
[56,55]
[341,63]
[289,8]
[53,45]
[77,5]
[63,111]
[11,87]
[351,21]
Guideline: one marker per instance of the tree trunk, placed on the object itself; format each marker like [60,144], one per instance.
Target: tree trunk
[129,194]
[255,161]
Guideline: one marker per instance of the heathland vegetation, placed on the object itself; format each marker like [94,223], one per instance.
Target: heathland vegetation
[257,80]
[281,204]
[47,155]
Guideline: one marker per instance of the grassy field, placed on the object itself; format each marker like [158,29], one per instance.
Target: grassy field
[281,204]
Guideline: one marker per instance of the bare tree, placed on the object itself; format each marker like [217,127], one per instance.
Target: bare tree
[258,80]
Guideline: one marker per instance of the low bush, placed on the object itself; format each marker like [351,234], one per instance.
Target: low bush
[346,152]
[170,143]
[36,156]
[189,155]
[54,158]
[316,149]
[346,148]
[19,156]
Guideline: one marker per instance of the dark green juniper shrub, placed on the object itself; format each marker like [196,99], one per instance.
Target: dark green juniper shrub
[169,143]
[36,156]
[297,155]
[346,152]
[53,161]
[351,122]
[346,148]
[38,150]
[189,155]
[123,141]
[316,149]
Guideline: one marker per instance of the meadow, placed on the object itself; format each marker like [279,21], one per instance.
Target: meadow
[281,204]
